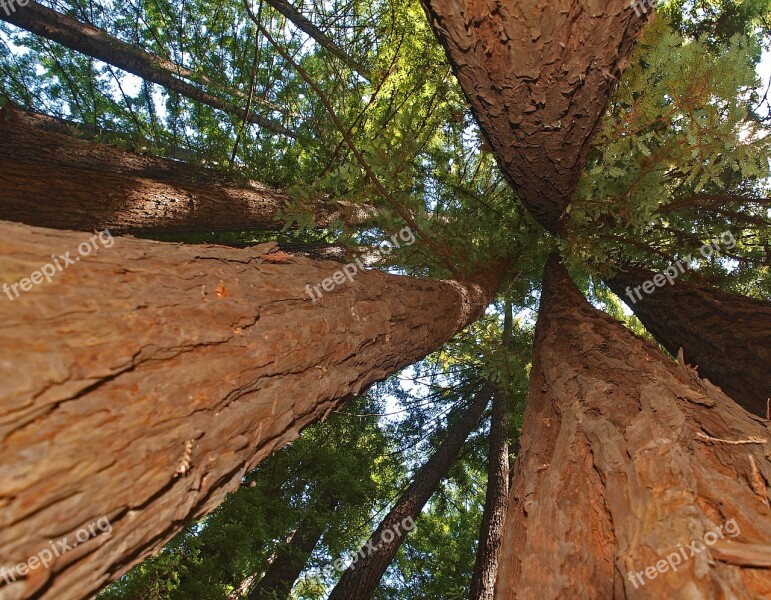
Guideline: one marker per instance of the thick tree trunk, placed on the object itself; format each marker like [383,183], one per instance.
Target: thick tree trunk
[496,502]
[58,181]
[145,379]
[627,458]
[538,76]
[291,559]
[361,578]
[323,40]
[97,43]
[727,336]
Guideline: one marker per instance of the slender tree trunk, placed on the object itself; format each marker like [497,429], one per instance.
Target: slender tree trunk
[538,76]
[627,458]
[307,27]
[291,559]
[58,181]
[145,379]
[361,578]
[496,502]
[97,43]
[727,336]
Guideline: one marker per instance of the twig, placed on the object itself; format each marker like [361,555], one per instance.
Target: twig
[753,439]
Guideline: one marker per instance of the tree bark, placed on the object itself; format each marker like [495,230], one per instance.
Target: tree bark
[97,43]
[323,40]
[626,455]
[538,76]
[727,336]
[361,578]
[496,502]
[291,559]
[97,186]
[145,379]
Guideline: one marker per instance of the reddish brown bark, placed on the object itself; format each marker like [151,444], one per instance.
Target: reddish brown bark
[538,76]
[97,43]
[361,578]
[145,380]
[58,181]
[727,336]
[620,463]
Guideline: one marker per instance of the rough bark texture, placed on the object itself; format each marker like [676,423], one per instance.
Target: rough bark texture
[496,503]
[58,181]
[538,76]
[146,379]
[291,559]
[360,580]
[99,44]
[726,336]
[323,40]
[619,465]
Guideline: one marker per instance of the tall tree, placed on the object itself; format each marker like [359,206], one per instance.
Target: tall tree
[538,76]
[726,336]
[71,33]
[362,577]
[497,494]
[626,458]
[222,349]
[131,193]
[291,559]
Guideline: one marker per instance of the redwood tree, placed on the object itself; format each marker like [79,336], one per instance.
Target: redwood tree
[166,372]
[71,33]
[626,454]
[131,193]
[726,336]
[361,578]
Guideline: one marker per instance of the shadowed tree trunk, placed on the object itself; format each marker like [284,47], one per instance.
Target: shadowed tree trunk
[727,336]
[361,578]
[99,44]
[145,379]
[627,458]
[291,559]
[496,502]
[96,186]
[538,76]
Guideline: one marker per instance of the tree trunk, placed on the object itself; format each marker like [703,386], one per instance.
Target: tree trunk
[99,44]
[361,578]
[538,76]
[496,502]
[627,458]
[726,335]
[126,192]
[145,379]
[279,579]
[323,40]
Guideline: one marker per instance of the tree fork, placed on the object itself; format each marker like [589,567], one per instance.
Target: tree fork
[130,193]
[97,43]
[361,578]
[726,336]
[143,381]
[626,454]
